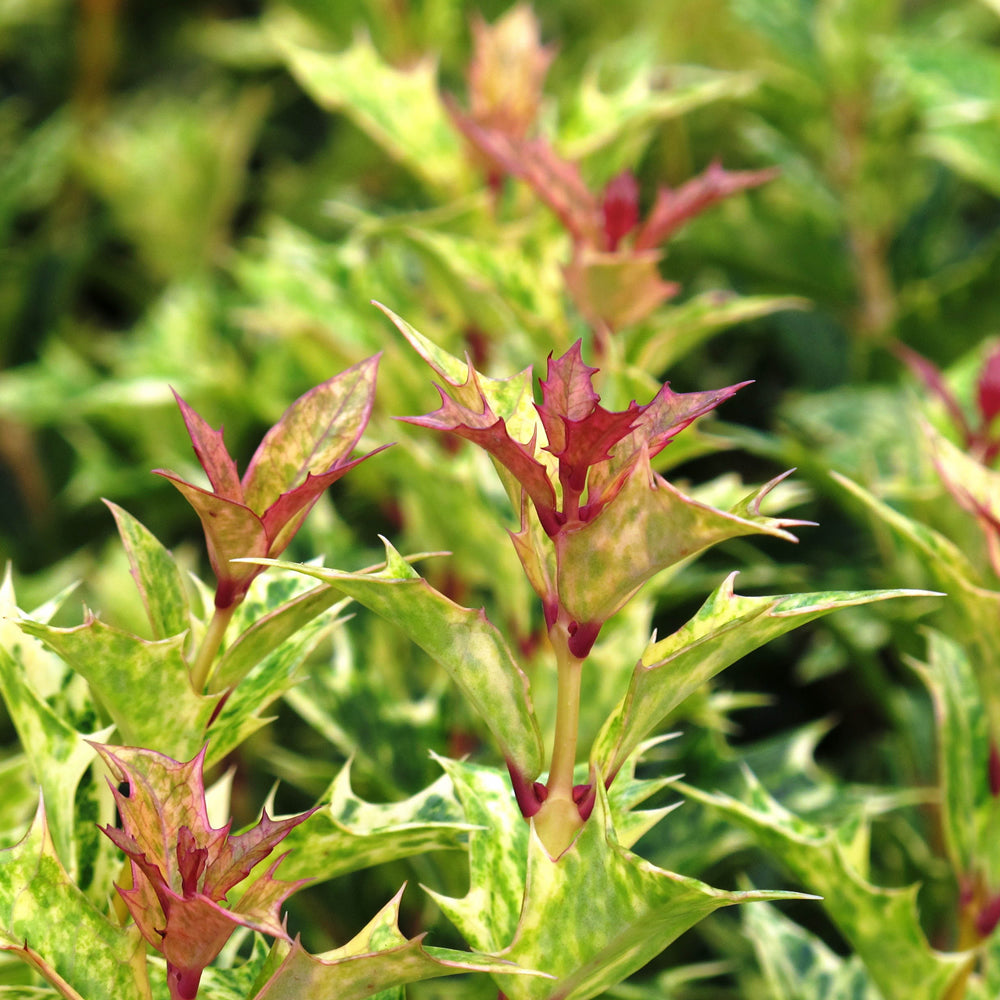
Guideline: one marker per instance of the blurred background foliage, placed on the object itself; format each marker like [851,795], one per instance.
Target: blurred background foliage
[206,195]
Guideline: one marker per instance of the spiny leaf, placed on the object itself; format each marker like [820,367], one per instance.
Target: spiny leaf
[143,685]
[655,426]
[301,455]
[649,526]
[601,119]
[510,399]
[461,640]
[498,855]
[155,574]
[637,909]
[44,915]
[399,109]
[183,869]
[377,959]
[56,751]
[726,628]
[345,833]
[881,925]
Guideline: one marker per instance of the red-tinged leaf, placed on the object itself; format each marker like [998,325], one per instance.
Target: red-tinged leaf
[674,207]
[285,516]
[489,431]
[589,442]
[580,432]
[617,289]
[196,932]
[931,376]
[164,795]
[212,454]
[240,854]
[668,413]
[555,180]
[315,435]
[620,208]
[658,423]
[650,525]
[568,389]
[988,388]
[183,868]
[507,71]
[232,531]
[260,906]
[306,451]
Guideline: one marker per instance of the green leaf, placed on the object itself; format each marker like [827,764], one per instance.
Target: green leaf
[957,84]
[498,852]
[346,833]
[505,289]
[633,909]
[56,751]
[264,662]
[627,791]
[143,685]
[679,329]
[979,608]
[400,110]
[377,959]
[798,965]
[969,811]
[787,25]
[270,630]
[155,574]
[19,800]
[47,921]
[463,641]
[881,925]
[726,628]
[245,709]
[601,119]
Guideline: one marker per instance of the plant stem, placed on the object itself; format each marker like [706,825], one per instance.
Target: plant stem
[201,669]
[567,714]
[558,820]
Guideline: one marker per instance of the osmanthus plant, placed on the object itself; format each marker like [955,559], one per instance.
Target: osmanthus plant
[595,523]
[189,882]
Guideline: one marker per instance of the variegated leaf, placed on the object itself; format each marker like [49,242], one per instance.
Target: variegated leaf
[726,628]
[144,686]
[632,910]
[377,959]
[463,641]
[398,109]
[47,921]
[156,575]
[345,833]
[881,925]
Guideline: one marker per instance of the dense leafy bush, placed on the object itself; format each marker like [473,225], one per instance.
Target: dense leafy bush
[292,220]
